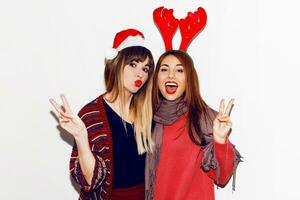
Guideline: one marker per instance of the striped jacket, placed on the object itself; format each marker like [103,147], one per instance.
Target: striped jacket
[100,139]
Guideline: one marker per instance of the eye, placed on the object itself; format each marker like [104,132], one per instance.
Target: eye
[146,69]
[180,70]
[163,69]
[132,64]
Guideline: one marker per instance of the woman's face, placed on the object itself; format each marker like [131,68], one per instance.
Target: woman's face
[171,78]
[135,75]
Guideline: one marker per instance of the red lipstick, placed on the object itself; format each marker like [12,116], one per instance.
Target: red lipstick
[138,83]
[171,87]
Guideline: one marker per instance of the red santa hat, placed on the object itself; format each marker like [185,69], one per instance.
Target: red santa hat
[123,39]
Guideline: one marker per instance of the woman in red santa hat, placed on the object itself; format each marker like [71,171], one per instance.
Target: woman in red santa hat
[112,132]
[192,150]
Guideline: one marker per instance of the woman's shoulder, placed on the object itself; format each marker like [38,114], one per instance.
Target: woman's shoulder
[92,107]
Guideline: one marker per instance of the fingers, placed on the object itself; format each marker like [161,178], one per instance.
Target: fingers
[59,110]
[223,119]
[229,107]
[221,107]
[65,103]
[64,116]
[62,119]
[67,115]
[55,105]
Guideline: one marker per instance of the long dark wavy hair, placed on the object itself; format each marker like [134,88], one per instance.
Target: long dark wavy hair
[197,108]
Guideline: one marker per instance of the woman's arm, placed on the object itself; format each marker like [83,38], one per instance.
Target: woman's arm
[220,157]
[83,162]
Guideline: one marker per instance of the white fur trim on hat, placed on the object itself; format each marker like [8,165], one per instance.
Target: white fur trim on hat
[131,41]
[128,42]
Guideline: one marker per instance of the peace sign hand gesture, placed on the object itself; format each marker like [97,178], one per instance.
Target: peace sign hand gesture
[71,123]
[222,123]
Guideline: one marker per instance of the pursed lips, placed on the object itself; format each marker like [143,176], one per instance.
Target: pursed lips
[138,83]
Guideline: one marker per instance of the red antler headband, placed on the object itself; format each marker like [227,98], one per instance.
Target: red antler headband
[189,27]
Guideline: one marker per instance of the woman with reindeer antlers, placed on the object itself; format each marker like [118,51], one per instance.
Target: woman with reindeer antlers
[192,149]
[113,131]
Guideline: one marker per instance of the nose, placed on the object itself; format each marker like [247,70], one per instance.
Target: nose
[140,74]
[171,74]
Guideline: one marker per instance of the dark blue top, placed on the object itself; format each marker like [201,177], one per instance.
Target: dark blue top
[129,166]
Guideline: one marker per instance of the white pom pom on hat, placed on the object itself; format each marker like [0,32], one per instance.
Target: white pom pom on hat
[111,53]
[123,39]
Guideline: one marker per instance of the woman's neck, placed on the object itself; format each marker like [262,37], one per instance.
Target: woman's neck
[120,106]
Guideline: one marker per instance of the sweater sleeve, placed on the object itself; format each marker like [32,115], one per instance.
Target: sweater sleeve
[220,162]
[99,172]
[90,119]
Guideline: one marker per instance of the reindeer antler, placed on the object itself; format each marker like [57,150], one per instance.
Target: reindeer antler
[167,24]
[191,26]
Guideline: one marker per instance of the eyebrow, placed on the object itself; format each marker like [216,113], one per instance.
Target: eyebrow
[138,61]
[168,65]
[135,60]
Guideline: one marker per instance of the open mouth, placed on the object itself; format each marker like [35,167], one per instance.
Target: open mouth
[138,83]
[171,87]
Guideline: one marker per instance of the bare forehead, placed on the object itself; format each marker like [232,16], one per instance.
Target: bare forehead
[170,60]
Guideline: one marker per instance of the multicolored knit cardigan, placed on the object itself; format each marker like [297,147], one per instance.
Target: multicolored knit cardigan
[100,139]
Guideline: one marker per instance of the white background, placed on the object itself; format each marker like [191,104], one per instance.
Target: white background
[248,51]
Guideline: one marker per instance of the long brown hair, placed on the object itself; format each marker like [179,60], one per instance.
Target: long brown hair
[140,106]
[197,108]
